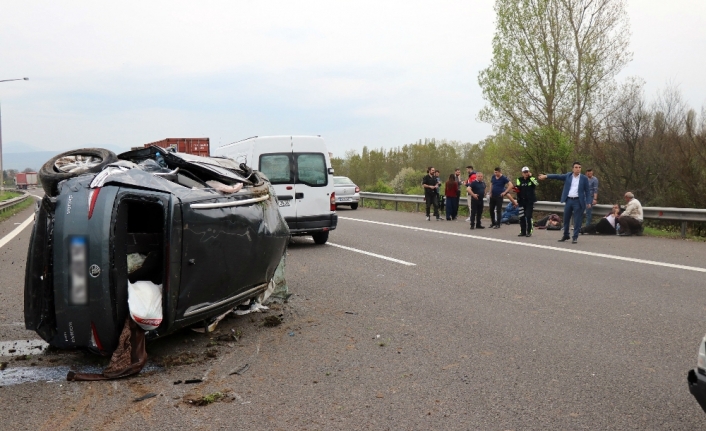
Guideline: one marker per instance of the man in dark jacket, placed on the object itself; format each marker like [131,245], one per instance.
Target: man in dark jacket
[526,197]
[431,186]
[476,193]
[576,197]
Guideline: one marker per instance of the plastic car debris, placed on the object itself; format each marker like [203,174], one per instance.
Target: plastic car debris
[144,299]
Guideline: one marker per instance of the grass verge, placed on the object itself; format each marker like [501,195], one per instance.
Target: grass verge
[4,215]
[8,195]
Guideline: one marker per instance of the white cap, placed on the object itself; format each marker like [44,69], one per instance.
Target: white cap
[525,169]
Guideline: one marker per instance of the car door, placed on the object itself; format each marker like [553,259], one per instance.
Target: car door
[219,252]
[312,186]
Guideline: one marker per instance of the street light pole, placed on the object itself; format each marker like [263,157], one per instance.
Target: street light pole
[2,172]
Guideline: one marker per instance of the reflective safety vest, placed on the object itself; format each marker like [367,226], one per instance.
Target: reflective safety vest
[525,189]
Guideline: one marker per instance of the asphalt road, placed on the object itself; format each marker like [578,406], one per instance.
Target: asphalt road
[482,332]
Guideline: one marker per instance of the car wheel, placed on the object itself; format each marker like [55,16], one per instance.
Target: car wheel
[354,206]
[320,237]
[71,164]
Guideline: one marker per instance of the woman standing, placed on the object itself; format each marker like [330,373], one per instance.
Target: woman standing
[451,193]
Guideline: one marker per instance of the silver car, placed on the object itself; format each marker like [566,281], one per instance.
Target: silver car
[347,193]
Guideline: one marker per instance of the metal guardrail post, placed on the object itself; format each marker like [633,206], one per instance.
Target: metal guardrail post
[417,206]
[396,205]
[379,204]
[683,229]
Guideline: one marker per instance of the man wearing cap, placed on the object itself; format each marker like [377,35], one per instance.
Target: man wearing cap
[526,197]
[576,197]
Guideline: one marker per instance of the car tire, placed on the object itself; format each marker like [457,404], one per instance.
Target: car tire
[354,206]
[50,175]
[320,237]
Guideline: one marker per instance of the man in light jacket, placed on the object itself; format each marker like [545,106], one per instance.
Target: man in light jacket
[576,198]
[631,219]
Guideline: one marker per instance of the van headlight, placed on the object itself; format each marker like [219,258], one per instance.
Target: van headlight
[701,360]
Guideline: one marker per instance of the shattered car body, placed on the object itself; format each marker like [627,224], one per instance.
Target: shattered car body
[208,230]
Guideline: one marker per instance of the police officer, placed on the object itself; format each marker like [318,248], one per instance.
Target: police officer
[526,197]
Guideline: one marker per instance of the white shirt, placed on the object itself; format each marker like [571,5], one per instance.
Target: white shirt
[611,219]
[574,190]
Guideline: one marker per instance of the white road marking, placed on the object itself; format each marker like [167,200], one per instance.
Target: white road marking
[527,244]
[379,256]
[16,231]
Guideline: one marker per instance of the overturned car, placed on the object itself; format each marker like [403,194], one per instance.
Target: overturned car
[206,231]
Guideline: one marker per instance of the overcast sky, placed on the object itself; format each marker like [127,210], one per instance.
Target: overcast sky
[374,73]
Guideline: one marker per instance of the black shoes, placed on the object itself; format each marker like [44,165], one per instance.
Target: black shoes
[564,239]
[472,227]
[528,235]
[522,234]
[480,227]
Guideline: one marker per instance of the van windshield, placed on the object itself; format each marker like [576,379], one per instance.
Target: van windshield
[311,169]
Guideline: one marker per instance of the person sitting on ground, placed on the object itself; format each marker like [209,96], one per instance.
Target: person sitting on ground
[606,226]
[631,219]
[512,214]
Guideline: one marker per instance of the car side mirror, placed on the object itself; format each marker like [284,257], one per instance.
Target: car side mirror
[330,171]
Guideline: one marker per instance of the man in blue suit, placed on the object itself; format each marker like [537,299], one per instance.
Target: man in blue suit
[576,198]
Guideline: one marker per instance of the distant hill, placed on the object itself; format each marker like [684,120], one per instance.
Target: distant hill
[17,155]
[20,161]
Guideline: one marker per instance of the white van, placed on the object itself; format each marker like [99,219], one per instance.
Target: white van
[300,171]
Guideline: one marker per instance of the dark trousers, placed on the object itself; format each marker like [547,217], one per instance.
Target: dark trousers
[496,209]
[603,227]
[449,208]
[526,219]
[572,209]
[432,199]
[476,211]
[629,224]
[454,208]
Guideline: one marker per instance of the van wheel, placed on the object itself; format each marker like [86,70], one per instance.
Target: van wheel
[354,206]
[72,164]
[320,237]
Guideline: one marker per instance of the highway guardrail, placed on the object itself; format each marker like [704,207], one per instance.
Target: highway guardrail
[9,203]
[682,215]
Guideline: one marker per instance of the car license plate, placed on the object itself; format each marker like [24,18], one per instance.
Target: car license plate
[344,199]
[79,287]
[283,203]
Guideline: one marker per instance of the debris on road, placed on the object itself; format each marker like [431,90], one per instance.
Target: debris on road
[272,321]
[192,381]
[207,399]
[129,358]
[145,397]
[240,371]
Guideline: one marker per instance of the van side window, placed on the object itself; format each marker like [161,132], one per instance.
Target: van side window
[277,167]
[311,169]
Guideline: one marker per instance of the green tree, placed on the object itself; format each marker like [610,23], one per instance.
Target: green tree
[554,63]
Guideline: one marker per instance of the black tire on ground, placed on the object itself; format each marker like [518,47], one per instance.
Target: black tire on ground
[320,237]
[354,206]
[49,176]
